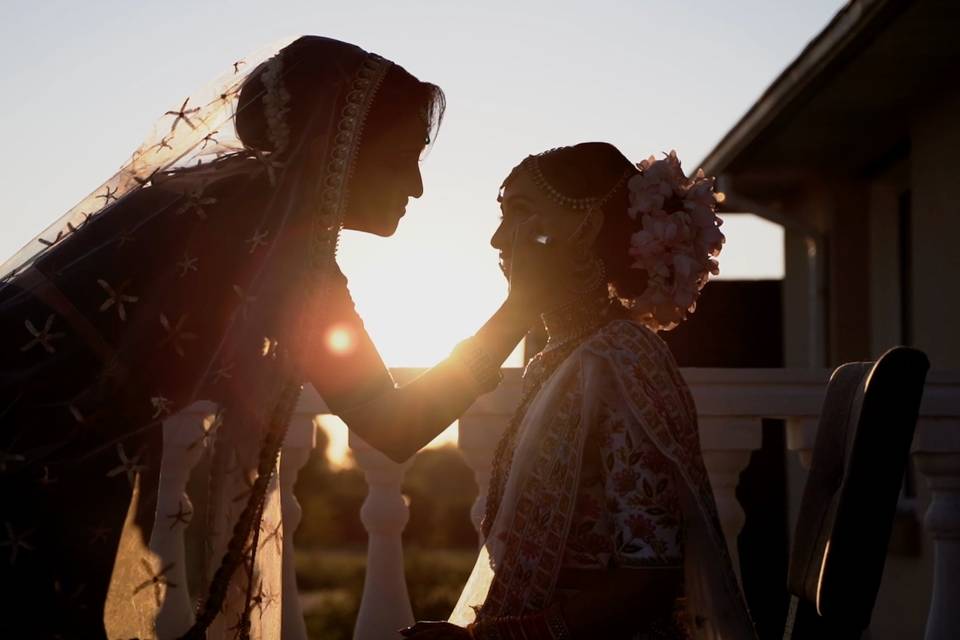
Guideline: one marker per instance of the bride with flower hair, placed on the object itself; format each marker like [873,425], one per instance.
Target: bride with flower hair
[600,519]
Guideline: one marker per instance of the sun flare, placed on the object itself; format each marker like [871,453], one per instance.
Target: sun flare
[341,340]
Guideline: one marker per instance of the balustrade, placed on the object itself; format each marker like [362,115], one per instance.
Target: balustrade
[731,404]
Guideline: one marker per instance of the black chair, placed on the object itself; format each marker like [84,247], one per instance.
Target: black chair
[863,443]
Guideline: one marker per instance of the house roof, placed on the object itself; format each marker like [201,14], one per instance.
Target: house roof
[849,93]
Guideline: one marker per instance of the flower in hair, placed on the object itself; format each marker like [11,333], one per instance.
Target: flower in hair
[276,104]
[678,240]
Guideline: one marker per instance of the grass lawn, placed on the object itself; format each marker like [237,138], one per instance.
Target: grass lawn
[331,582]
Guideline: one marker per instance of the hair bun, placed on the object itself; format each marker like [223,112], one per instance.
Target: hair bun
[678,241]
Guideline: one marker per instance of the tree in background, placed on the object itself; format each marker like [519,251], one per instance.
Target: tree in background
[439,486]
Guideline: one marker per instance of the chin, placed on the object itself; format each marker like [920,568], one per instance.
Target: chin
[383,225]
[386,228]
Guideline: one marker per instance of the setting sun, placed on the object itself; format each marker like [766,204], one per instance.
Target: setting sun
[341,340]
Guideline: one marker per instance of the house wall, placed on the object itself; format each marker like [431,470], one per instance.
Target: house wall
[934,176]
[864,301]
[803,334]
[930,174]
[885,295]
[861,307]
[827,289]
[843,301]
[805,301]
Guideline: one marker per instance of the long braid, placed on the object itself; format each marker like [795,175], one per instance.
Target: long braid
[234,555]
[251,561]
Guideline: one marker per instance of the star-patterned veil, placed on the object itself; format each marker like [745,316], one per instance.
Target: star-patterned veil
[193,274]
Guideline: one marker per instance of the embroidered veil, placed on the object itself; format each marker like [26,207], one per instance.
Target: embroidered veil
[194,273]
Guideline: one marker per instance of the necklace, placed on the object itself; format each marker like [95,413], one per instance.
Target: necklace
[578,317]
[567,328]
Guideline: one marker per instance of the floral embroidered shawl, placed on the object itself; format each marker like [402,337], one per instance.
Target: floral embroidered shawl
[627,366]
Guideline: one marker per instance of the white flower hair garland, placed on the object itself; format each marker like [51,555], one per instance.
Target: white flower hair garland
[276,104]
[678,242]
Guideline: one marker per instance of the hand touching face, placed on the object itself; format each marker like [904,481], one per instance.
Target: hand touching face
[540,242]
[523,204]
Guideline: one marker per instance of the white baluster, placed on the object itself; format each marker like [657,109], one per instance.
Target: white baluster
[238,460]
[727,444]
[479,432]
[385,604]
[299,443]
[801,436]
[184,442]
[477,438]
[937,456]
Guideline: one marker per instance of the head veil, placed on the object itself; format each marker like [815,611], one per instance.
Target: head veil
[254,212]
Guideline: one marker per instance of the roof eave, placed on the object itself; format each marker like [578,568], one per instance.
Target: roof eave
[849,28]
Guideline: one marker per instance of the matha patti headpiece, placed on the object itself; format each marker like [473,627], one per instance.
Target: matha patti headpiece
[587,204]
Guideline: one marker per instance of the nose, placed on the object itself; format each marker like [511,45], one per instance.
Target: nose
[501,238]
[416,183]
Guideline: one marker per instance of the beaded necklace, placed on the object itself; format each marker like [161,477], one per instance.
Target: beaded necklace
[568,328]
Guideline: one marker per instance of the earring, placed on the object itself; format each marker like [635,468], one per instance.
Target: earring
[588,274]
[588,270]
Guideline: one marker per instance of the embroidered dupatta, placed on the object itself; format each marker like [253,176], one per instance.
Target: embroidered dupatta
[623,365]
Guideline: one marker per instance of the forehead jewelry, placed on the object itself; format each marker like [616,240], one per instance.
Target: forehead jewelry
[587,204]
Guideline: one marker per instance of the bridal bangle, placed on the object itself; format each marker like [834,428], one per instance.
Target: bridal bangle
[478,366]
[540,625]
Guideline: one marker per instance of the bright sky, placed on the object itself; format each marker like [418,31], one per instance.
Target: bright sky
[84,81]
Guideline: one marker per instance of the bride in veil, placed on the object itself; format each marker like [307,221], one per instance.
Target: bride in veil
[205,269]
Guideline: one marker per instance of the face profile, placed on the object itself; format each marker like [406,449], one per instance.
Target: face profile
[387,177]
[522,201]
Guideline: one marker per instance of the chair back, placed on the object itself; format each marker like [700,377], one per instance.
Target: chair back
[859,458]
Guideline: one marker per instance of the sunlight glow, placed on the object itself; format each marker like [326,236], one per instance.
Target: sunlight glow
[338,449]
[341,339]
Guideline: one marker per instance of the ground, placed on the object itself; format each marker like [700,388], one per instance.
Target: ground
[331,583]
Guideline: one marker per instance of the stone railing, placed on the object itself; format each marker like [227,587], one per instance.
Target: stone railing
[731,404]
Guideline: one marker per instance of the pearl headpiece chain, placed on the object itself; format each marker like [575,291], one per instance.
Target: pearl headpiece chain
[587,204]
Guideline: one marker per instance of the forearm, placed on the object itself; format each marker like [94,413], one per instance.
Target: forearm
[401,421]
[501,334]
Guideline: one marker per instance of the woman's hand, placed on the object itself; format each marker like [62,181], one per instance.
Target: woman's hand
[441,630]
[538,263]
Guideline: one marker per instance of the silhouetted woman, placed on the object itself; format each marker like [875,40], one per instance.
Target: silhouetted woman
[205,269]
